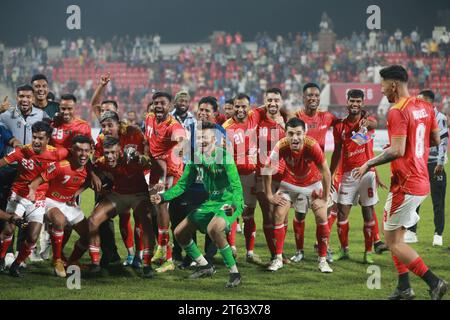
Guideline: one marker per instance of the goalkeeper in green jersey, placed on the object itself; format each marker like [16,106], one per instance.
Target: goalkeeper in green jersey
[225,203]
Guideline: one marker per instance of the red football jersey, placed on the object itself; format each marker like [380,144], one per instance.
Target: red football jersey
[63,133]
[301,166]
[30,165]
[318,125]
[243,136]
[127,178]
[220,119]
[129,135]
[353,155]
[162,138]
[64,180]
[269,133]
[414,119]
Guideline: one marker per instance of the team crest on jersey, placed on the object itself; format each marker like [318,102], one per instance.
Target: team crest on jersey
[51,167]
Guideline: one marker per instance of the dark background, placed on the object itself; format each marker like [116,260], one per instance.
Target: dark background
[195,20]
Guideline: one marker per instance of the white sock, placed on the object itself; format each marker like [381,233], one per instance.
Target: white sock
[234,269]
[201,261]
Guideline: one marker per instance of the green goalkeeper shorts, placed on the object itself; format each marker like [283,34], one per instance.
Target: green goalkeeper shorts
[207,211]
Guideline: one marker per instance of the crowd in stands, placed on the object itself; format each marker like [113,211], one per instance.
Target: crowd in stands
[227,65]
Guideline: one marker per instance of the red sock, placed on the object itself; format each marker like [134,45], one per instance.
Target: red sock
[376,230]
[147,256]
[57,241]
[268,234]
[231,236]
[169,253]
[78,250]
[332,218]
[401,268]
[286,227]
[322,236]
[94,252]
[67,234]
[138,231]
[368,230]
[125,230]
[24,252]
[342,229]
[4,245]
[299,232]
[278,233]
[418,267]
[249,233]
[163,236]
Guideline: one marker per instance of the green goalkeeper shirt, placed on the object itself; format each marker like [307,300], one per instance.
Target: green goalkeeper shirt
[220,178]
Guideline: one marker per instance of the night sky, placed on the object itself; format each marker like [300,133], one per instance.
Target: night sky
[195,20]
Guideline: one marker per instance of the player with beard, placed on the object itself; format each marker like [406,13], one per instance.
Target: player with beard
[32,159]
[353,154]
[130,138]
[306,183]
[66,179]
[71,126]
[165,137]
[228,109]
[241,130]
[129,191]
[412,128]
[39,83]
[270,131]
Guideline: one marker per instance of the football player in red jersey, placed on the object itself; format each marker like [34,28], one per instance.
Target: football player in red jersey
[66,179]
[353,154]
[129,191]
[241,131]
[131,138]
[32,159]
[270,131]
[165,137]
[71,126]
[317,124]
[228,108]
[306,183]
[412,128]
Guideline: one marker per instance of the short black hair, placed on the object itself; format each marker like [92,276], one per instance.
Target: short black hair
[428,93]
[51,96]
[274,90]
[355,93]
[207,125]
[69,96]
[38,76]
[109,115]
[229,101]
[81,139]
[42,126]
[211,101]
[241,96]
[162,94]
[113,102]
[24,87]
[110,142]
[394,72]
[310,85]
[295,122]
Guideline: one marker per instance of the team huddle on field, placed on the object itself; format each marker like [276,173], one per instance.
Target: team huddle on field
[206,171]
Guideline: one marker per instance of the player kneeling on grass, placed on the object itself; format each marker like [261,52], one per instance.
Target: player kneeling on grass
[129,191]
[300,186]
[66,179]
[215,216]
